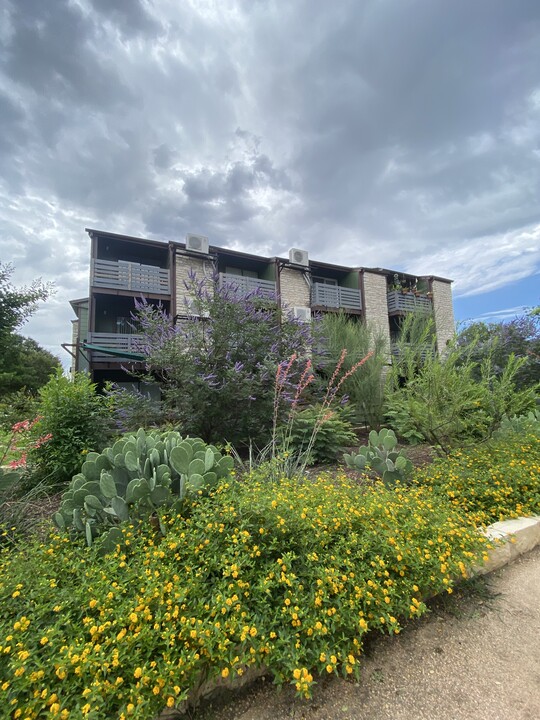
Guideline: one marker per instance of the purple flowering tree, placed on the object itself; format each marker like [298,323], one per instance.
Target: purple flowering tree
[217,362]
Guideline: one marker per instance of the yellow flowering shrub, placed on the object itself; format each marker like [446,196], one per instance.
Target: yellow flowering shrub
[287,575]
[494,481]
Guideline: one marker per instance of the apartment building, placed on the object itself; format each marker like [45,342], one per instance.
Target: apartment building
[123,269]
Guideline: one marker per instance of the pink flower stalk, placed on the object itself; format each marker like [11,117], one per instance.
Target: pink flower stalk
[305,379]
[21,462]
[42,440]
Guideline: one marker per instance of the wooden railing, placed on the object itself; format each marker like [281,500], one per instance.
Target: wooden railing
[122,275]
[246,285]
[113,341]
[407,302]
[335,297]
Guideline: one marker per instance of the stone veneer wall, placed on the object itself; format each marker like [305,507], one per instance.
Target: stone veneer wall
[295,291]
[203,268]
[443,312]
[376,304]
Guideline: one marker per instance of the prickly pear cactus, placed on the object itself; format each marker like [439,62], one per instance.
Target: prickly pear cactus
[129,481]
[381,456]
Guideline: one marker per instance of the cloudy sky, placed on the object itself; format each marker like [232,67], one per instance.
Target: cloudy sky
[394,133]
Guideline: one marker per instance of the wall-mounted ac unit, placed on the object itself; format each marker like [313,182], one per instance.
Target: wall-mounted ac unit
[298,257]
[193,309]
[302,313]
[197,243]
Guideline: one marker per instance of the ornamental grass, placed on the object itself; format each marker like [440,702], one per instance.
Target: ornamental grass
[289,576]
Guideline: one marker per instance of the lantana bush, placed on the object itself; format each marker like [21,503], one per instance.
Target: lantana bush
[493,481]
[289,576]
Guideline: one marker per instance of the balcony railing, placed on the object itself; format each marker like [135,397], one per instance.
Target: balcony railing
[246,285]
[122,275]
[335,297]
[113,341]
[422,352]
[408,302]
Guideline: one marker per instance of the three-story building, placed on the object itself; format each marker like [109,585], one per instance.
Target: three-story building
[124,269]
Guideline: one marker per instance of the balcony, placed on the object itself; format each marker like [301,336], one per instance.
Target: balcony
[116,342]
[246,285]
[421,352]
[122,275]
[333,296]
[400,302]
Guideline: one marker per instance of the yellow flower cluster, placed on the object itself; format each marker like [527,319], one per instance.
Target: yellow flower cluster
[288,575]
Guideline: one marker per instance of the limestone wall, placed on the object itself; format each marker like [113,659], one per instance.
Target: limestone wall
[295,291]
[375,304]
[185,263]
[443,312]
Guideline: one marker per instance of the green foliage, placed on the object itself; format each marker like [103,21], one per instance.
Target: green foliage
[25,366]
[450,400]
[493,481]
[131,410]
[216,365]
[74,415]
[365,390]
[16,305]
[129,481]
[289,576]
[334,433]
[497,342]
[381,456]
[15,407]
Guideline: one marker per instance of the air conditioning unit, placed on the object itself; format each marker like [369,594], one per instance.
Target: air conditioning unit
[193,310]
[302,313]
[298,257]
[197,243]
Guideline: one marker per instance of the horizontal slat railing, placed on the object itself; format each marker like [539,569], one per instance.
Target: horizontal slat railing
[121,275]
[422,351]
[246,285]
[335,296]
[113,341]
[407,302]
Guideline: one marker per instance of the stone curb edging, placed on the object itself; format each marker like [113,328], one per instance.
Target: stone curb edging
[513,537]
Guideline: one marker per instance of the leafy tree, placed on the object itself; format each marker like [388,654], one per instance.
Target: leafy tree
[25,364]
[498,341]
[217,366]
[16,306]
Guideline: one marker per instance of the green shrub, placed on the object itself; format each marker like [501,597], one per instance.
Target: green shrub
[493,481]
[289,576]
[15,407]
[335,432]
[129,481]
[73,414]
[442,401]
[131,410]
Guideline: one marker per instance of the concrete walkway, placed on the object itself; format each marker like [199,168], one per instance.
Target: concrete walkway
[473,658]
